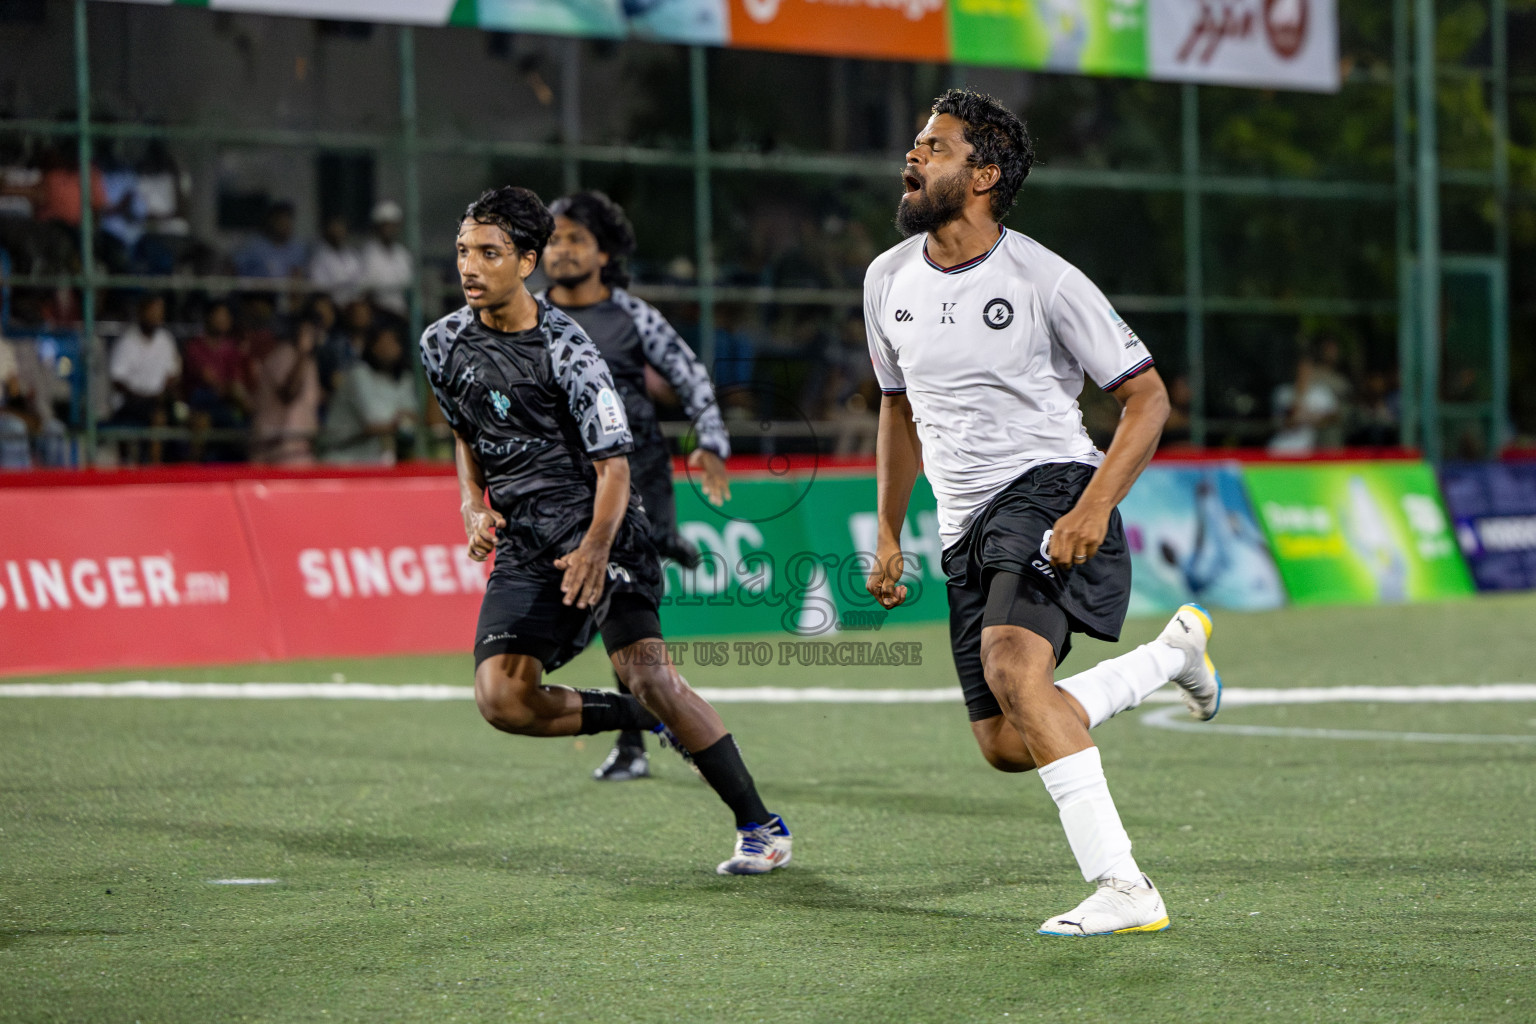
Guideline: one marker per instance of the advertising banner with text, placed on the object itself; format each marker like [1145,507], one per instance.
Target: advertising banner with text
[138,575]
[1358,533]
[1493,506]
[365,566]
[1284,44]
[1280,44]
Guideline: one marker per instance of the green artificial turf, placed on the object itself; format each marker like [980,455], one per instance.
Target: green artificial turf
[432,869]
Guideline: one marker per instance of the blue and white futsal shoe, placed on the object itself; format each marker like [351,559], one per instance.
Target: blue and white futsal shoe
[759,849]
[1117,907]
[1199,683]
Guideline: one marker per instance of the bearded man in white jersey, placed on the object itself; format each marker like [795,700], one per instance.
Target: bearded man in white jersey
[980,338]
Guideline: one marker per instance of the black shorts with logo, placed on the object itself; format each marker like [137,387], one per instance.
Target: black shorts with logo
[524,611]
[999,574]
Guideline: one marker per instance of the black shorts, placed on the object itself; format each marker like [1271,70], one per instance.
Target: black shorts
[524,612]
[999,575]
[650,468]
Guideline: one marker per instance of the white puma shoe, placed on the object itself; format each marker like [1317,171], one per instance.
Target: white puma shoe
[759,849]
[1117,907]
[1199,683]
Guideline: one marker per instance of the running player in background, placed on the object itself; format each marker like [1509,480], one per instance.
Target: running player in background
[980,338]
[585,261]
[539,429]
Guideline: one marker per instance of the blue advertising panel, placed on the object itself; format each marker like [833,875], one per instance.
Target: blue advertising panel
[1193,537]
[1493,507]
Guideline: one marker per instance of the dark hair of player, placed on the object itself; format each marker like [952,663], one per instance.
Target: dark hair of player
[520,214]
[606,220]
[996,136]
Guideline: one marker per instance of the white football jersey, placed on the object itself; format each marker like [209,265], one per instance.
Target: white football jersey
[991,354]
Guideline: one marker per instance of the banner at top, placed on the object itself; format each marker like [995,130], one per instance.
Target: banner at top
[1286,44]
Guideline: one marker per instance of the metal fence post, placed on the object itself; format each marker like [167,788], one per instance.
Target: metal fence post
[410,172]
[87,228]
[1428,168]
[1402,142]
[1194,266]
[703,203]
[1498,384]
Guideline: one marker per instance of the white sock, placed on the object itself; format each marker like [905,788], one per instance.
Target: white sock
[1119,684]
[1088,815]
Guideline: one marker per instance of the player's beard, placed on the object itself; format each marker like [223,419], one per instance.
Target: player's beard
[572,281]
[938,203]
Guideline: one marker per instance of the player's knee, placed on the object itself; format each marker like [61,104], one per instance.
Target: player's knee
[1011,664]
[502,705]
[654,685]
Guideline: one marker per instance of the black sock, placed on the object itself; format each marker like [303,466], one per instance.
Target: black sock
[632,740]
[602,711]
[723,769]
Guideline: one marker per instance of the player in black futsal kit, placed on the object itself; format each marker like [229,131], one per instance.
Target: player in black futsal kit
[539,427]
[585,263]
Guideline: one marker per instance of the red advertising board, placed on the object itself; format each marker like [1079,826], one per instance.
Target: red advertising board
[364,566]
[137,575]
[898,29]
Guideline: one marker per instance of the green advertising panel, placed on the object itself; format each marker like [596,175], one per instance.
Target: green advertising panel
[1090,36]
[843,529]
[790,555]
[1358,533]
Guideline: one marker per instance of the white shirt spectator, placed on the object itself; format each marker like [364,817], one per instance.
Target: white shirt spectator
[387,274]
[145,365]
[338,271]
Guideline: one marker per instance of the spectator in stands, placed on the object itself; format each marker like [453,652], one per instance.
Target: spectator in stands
[387,262]
[122,222]
[336,267]
[217,382]
[19,178]
[144,371]
[54,243]
[286,398]
[15,444]
[161,188]
[1313,411]
[1181,404]
[274,253]
[850,394]
[343,346]
[375,407]
[1378,415]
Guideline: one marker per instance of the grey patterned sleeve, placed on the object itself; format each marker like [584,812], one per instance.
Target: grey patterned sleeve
[588,385]
[675,361]
[436,342]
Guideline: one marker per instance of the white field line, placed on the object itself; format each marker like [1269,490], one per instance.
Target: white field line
[1231,697]
[244,881]
[1177,720]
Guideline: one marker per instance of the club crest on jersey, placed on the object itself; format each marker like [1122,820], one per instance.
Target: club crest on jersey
[1131,341]
[998,314]
[501,403]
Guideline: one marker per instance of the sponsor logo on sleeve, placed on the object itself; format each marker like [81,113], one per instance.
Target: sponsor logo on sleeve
[609,412]
[1131,340]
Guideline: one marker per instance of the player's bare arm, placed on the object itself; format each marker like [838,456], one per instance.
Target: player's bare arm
[1143,410]
[480,520]
[586,566]
[715,482]
[898,455]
